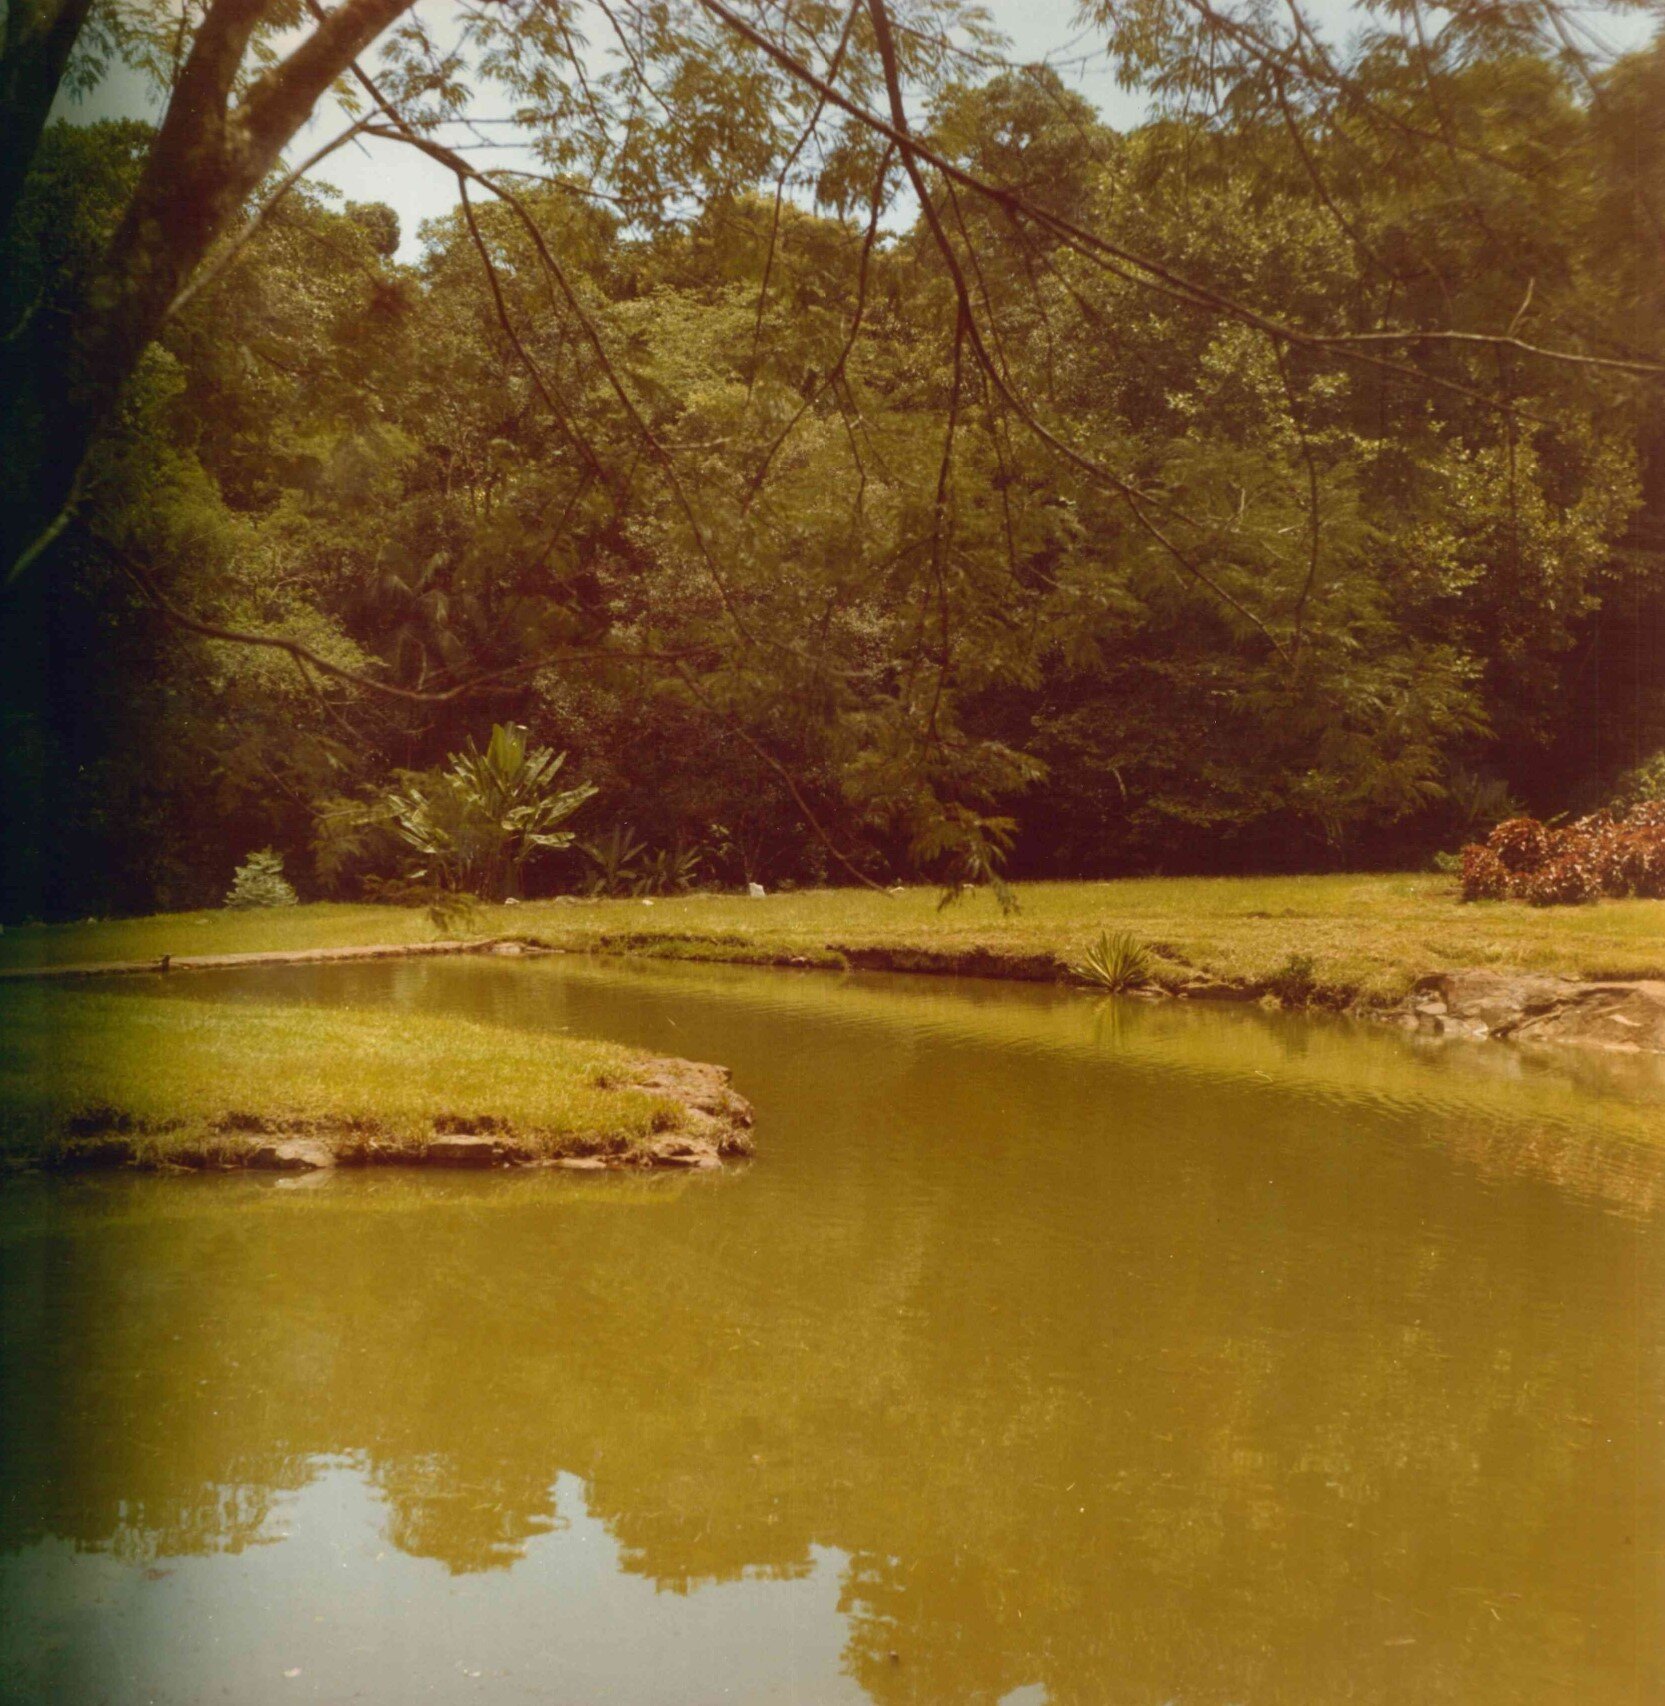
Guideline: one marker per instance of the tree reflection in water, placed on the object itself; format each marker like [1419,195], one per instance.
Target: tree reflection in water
[1071,1368]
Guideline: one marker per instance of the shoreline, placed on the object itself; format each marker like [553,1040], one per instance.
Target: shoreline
[713,1128]
[1624,1015]
[93,1076]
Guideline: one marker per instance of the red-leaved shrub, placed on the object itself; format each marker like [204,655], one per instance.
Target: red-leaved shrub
[1485,876]
[1568,880]
[1522,843]
[1604,853]
[1645,865]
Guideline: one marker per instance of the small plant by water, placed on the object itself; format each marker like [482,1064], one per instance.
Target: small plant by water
[1117,961]
[1295,980]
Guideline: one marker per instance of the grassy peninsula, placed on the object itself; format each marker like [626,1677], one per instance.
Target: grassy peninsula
[97,1076]
[1354,939]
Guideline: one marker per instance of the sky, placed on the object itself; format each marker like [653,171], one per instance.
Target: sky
[418,188]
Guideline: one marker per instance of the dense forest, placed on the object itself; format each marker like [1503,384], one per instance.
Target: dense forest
[1276,485]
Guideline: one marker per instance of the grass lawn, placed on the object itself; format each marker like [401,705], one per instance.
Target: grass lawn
[1369,937]
[167,1077]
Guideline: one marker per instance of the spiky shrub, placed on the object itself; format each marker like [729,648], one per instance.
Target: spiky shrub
[617,861]
[259,881]
[1115,962]
[672,870]
[1478,803]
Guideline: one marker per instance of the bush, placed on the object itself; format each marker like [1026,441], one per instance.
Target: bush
[1521,843]
[1478,803]
[472,827]
[1485,876]
[1641,864]
[1611,852]
[1567,880]
[1645,785]
[260,882]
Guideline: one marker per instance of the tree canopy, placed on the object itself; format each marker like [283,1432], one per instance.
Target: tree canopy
[857,456]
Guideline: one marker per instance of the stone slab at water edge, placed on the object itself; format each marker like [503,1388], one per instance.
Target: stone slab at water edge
[1526,1008]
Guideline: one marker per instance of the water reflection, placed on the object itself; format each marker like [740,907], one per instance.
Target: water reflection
[568,1625]
[1102,1353]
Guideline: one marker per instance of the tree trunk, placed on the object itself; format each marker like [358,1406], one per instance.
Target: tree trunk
[63,384]
[40,36]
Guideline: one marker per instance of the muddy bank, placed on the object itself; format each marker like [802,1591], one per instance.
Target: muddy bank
[712,1127]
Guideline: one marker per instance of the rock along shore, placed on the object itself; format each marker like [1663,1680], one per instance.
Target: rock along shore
[1537,1008]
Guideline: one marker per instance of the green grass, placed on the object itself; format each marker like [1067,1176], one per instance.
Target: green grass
[169,1076]
[1368,937]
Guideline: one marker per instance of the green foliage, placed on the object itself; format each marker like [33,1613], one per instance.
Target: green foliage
[671,870]
[1118,961]
[1645,782]
[617,858]
[473,826]
[1367,624]
[1477,803]
[967,851]
[452,912]
[260,882]
[1295,980]
[622,865]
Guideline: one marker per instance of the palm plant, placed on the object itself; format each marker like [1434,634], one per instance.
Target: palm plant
[1478,803]
[1115,962]
[617,860]
[671,870]
[474,825]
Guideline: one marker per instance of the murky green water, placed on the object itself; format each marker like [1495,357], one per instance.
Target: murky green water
[1050,1351]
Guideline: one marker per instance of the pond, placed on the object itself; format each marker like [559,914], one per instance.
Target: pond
[1051,1350]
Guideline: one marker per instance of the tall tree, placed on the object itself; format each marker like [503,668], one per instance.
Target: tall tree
[65,369]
